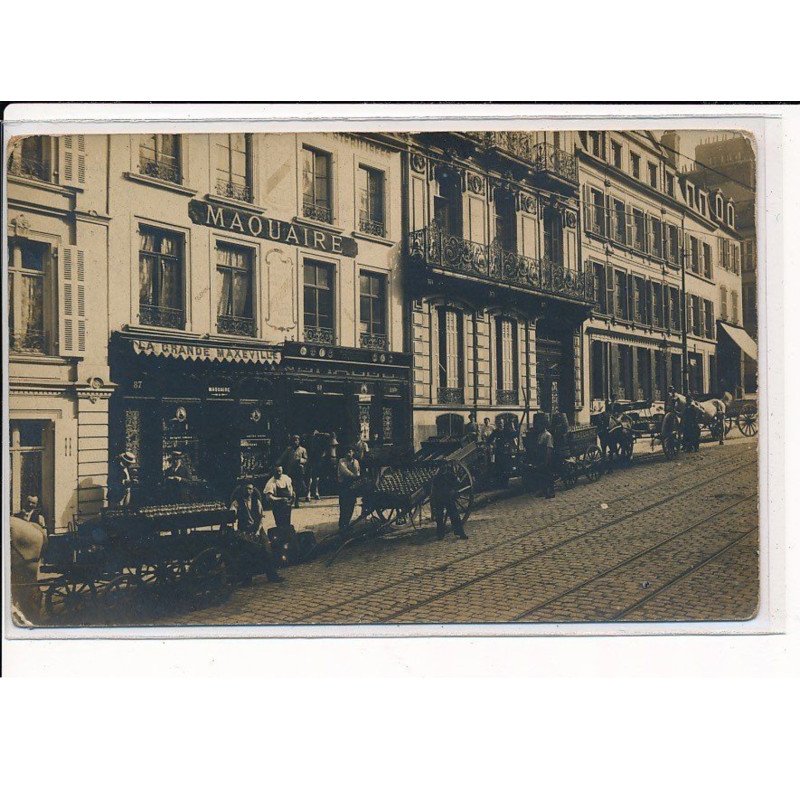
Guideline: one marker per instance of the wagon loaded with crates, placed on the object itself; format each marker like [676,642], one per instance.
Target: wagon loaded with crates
[576,454]
[125,556]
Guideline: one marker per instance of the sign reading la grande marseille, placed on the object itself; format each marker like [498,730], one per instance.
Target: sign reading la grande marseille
[229,219]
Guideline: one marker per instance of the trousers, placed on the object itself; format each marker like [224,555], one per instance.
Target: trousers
[442,509]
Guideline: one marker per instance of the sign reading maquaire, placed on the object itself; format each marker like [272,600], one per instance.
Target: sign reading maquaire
[276,230]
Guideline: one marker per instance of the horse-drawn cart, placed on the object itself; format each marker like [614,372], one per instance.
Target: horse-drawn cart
[575,454]
[115,557]
[744,414]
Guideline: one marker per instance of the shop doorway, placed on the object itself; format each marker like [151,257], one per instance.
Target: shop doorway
[322,412]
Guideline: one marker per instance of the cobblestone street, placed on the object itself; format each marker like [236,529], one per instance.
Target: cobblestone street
[655,541]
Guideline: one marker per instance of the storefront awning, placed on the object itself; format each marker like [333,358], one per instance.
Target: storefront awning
[742,340]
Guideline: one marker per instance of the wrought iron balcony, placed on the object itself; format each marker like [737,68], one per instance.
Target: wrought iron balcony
[375,227]
[319,335]
[30,341]
[36,168]
[374,341]
[160,169]
[450,395]
[236,191]
[543,156]
[318,211]
[507,397]
[437,249]
[240,326]
[161,316]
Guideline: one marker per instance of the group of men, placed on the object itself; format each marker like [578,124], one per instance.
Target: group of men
[501,441]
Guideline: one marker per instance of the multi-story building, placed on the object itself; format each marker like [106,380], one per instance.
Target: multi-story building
[665,257]
[57,239]
[495,283]
[254,294]
[727,166]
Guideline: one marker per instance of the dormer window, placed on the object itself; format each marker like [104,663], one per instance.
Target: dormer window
[596,143]
[652,174]
[669,184]
[635,165]
[730,214]
[690,195]
[616,154]
[702,198]
[719,207]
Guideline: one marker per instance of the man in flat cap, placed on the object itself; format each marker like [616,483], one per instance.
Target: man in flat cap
[121,480]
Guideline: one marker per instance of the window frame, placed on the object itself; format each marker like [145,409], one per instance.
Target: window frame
[368,222]
[371,338]
[17,272]
[636,165]
[238,324]
[160,169]
[172,317]
[226,186]
[330,336]
[315,209]
[503,358]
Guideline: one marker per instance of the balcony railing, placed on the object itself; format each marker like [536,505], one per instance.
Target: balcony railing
[239,326]
[450,395]
[318,211]
[236,191]
[29,168]
[374,341]
[30,341]
[437,249]
[319,335]
[543,156]
[375,227]
[507,397]
[160,169]
[161,316]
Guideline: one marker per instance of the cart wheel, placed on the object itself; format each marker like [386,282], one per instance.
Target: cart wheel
[209,575]
[747,421]
[67,596]
[385,516]
[163,574]
[121,596]
[593,463]
[671,444]
[466,490]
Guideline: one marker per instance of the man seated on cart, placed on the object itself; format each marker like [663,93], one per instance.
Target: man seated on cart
[444,493]
[250,533]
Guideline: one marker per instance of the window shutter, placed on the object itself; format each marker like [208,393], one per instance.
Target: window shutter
[72,159]
[628,225]
[587,208]
[72,302]
[610,308]
[631,299]
[649,315]
[701,257]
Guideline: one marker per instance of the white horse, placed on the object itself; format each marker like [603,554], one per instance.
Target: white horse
[712,412]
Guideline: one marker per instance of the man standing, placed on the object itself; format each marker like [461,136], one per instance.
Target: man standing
[444,493]
[348,472]
[32,512]
[486,430]
[472,430]
[293,461]
[502,440]
[250,531]
[121,480]
[543,454]
[280,493]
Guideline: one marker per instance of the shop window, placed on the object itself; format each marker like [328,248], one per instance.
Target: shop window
[31,317]
[639,230]
[448,204]
[708,308]
[635,165]
[597,212]
[598,367]
[450,425]
[618,227]
[708,266]
[317,185]
[600,297]
[696,380]
[160,156]
[371,214]
[372,318]
[656,238]
[553,236]
[507,361]
[652,175]
[235,282]
[451,356]
[160,278]
[31,157]
[644,388]
[318,302]
[234,171]
[661,374]
[505,221]
[27,452]
[620,294]
[624,372]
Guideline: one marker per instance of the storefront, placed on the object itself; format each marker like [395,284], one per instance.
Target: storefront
[216,403]
[350,391]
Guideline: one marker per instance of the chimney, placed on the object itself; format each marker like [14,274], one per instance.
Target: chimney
[672,142]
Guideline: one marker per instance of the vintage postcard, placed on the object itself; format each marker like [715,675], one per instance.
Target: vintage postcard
[382,377]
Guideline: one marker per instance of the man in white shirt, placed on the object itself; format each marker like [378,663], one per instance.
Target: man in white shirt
[349,471]
[280,494]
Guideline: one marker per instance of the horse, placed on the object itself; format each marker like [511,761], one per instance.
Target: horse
[28,541]
[712,413]
[615,435]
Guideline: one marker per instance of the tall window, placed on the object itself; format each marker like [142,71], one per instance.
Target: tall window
[160,278]
[317,185]
[734,307]
[709,318]
[597,212]
[658,305]
[451,356]
[639,230]
[373,311]
[507,361]
[553,236]
[27,455]
[618,229]
[597,143]
[707,260]
[674,309]
[30,300]
[652,175]
[669,184]
[600,297]
[640,300]
[672,244]
[30,157]
[723,302]
[371,216]
[620,294]
[697,317]
[694,255]
[318,302]
[159,156]
[616,154]
[505,220]
[448,204]
[233,166]
[235,280]
[656,238]
[635,165]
